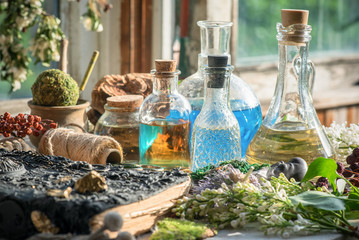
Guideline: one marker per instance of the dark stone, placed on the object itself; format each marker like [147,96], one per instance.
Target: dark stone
[24,193]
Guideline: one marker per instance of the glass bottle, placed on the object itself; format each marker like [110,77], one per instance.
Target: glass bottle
[164,121]
[215,38]
[291,127]
[216,132]
[121,121]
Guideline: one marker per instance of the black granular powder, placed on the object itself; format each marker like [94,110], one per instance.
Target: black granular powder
[22,193]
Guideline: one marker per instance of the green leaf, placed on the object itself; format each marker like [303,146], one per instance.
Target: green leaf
[320,200]
[352,215]
[323,167]
[353,200]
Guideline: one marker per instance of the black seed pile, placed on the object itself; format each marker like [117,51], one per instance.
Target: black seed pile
[24,193]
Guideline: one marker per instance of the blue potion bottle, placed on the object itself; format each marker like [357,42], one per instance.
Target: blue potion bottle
[215,38]
[216,132]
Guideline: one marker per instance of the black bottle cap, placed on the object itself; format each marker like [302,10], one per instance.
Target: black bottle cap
[217,61]
[217,77]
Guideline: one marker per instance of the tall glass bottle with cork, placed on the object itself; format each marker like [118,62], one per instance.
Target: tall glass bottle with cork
[291,127]
[215,38]
[164,120]
[216,132]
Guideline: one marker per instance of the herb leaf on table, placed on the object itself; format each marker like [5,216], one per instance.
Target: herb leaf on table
[323,167]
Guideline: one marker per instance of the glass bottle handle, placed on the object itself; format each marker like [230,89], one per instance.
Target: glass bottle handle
[311,76]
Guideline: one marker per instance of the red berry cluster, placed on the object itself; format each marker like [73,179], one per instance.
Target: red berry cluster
[352,172]
[24,124]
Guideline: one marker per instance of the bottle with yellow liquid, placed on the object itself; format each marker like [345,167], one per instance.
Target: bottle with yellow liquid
[164,121]
[291,127]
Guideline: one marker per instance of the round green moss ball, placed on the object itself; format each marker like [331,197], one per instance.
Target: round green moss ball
[55,88]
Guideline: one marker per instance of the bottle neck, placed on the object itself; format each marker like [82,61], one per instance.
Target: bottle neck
[217,82]
[292,98]
[215,37]
[293,60]
[203,60]
[165,83]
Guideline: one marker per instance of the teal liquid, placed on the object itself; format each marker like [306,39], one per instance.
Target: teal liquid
[213,146]
[165,144]
[249,120]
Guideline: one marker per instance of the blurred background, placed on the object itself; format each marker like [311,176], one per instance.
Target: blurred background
[135,32]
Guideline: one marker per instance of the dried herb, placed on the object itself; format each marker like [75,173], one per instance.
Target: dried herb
[243,166]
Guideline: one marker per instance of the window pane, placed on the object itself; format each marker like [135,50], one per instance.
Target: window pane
[335,28]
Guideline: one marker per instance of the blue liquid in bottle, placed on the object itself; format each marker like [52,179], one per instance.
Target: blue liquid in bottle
[249,120]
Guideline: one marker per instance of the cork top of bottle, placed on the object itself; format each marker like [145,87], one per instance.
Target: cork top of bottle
[165,65]
[294,16]
[126,102]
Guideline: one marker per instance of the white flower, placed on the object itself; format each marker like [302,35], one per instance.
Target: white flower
[297,228]
[36,2]
[301,221]
[99,28]
[56,56]
[16,85]
[87,22]
[275,207]
[262,208]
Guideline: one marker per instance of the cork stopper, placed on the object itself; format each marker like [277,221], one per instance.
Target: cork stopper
[217,61]
[165,65]
[294,16]
[127,102]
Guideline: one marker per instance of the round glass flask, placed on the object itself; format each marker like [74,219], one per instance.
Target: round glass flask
[215,39]
[121,121]
[291,127]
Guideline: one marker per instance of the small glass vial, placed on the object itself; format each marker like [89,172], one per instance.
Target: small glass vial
[121,121]
[164,121]
[291,127]
[216,132]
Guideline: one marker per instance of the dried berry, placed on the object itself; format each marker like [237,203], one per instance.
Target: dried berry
[36,133]
[354,181]
[354,167]
[22,125]
[340,168]
[6,115]
[37,118]
[351,159]
[30,118]
[322,182]
[347,173]
[356,152]
[28,131]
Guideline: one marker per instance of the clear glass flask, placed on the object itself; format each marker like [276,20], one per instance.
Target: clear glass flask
[164,121]
[216,132]
[215,39]
[291,127]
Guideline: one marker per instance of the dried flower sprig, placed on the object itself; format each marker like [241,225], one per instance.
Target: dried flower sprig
[344,139]
[91,19]
[20,15]
[272,203]
[24,124]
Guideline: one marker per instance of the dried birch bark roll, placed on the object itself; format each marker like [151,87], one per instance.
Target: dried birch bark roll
[81,146]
